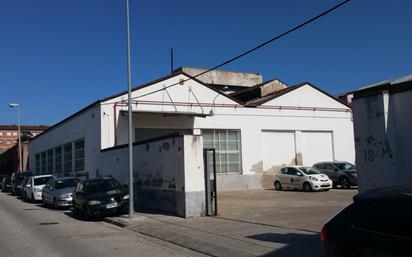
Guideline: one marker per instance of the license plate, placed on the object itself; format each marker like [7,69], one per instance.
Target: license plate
[111,205]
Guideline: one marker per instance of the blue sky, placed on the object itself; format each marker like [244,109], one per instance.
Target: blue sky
[57,56]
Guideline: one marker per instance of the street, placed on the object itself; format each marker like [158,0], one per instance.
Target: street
[30,230]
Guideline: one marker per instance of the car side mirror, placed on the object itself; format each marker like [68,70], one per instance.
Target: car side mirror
[28,186]
[299,174]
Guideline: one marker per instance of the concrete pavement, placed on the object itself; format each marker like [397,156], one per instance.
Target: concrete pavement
[30,230]
[250,223]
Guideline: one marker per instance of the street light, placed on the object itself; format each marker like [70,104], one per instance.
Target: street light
[129,106]
[12,105]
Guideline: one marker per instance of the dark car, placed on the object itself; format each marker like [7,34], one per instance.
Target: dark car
[16,180]
[100,197]
[378,223]
[341,173]
[6,184]
[1,180]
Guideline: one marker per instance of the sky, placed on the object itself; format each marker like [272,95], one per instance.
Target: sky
[58,56]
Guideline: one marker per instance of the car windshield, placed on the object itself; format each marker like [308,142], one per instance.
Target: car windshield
[41,180]
[59,184]
[97,186]
[345,166]
[309,170]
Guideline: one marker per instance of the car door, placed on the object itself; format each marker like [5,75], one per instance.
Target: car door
[332,172]
[283,177]
[294,178]
[27,187]
[47,190]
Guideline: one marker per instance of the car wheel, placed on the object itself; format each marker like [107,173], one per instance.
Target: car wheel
[56,206]
[345,183]
[278,186]
[307,187]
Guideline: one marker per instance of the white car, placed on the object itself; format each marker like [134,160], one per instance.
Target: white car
[33,187]
[300,177]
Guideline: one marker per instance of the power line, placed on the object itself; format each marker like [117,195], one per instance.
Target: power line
[252,49]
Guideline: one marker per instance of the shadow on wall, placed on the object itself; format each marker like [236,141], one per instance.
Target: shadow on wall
[307,245]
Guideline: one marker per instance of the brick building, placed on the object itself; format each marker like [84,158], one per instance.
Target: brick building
[9,134]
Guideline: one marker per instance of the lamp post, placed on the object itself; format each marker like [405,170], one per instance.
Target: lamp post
[129,106]
[12,105]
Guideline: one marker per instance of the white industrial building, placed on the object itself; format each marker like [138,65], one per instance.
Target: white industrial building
[254,126]
[382,133]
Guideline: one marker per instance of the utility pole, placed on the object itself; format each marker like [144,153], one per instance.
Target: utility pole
[129,106]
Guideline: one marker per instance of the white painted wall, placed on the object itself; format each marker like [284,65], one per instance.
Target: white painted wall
[86,125]
[227,114]
[250,121]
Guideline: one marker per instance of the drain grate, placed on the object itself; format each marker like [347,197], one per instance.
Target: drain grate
[48,223]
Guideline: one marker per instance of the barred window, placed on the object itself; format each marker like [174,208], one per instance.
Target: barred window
[59,160]
[37,163]
[43,162]
[50,157]
[68,159]
[227,146]
[79,155]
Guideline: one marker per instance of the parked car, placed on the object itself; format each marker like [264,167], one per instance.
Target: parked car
[6,184]
[341,173]
[34,186]
[98,197]
[1,180]
[376,224]
[300,177]
[22,185]
[58,192]
[16,179]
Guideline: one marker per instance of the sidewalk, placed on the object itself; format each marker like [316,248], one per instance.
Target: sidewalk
[218,236]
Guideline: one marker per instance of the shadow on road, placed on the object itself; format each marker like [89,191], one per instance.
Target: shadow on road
[307,245]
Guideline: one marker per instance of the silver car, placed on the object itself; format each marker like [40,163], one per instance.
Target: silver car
[300,177]
[58,192]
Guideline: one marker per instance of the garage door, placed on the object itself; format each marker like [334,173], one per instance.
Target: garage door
[278,148]
[316,147]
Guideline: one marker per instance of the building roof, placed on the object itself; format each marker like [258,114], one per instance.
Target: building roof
[24,127]
[398,84]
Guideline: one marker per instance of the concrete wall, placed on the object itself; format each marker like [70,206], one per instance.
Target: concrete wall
[168,173]
[225,77]
[383,142]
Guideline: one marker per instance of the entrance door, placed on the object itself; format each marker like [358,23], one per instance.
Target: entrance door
[209,158]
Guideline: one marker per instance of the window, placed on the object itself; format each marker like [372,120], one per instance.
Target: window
[43,162]
[79,155]
[37,163]
[8,133]
[1,133]
[50,157]
[14,133]
[227,146]
[68,156]
[1,142]
[8,142]
[59,160]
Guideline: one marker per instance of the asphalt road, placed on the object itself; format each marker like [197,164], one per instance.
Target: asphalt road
[28,229]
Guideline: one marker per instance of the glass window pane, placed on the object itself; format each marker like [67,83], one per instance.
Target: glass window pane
[233,145]
[233,157]
[234,167]
[233,135]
